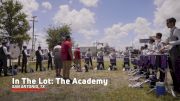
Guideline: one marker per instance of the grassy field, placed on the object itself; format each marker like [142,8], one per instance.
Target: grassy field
[116,90]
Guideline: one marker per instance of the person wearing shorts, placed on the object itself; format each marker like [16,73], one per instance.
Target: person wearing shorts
[57,59]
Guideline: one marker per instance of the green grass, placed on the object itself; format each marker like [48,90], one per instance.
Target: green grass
[117,89]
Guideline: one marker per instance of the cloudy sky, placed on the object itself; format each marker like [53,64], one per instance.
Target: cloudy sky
[119,23]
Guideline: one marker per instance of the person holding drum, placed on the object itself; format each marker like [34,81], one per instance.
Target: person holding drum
[3,58]
[100,60]
[112,57]
[173,44]
[126,58]
[158,46]
[88,55]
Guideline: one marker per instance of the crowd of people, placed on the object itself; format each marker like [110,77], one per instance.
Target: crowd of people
[63,56]
[162,52]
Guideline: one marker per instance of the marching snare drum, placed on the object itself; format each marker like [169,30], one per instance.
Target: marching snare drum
[164,61]
[113,60]
[100,59]
[152,60]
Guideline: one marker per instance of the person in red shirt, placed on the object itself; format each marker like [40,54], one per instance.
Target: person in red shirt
[66,54]
[77,59]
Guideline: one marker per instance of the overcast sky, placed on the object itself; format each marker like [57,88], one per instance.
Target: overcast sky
[119,23]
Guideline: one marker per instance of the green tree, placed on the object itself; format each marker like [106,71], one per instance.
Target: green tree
[14,23]
[56,35]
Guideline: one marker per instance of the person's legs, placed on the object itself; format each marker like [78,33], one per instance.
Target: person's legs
[177,74]
[37,63]
[98,66]
[22,69]
[25,66]
[61,67]
[1,66]
[103,65]
[68,69]
[5,67]
[48,64]
[64,69]
[172,72]
[162,76]
[76,64]
[56,67]
[51,65]
[90,59]
[79,62]
[40,63]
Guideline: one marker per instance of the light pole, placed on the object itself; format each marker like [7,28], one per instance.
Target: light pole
[33,36]
[35,39]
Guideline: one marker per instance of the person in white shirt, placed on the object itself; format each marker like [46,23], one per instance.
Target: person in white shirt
[158,46]
[57,59]
[174,52]
[88,56]
[126,58]
[158,43]
[145,50]
[151,46]
[112,57]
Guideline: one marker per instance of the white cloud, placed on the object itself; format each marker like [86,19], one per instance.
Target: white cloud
[89,33]
[40,39]
[166,9]
[114,34]
[81,21]
[47,5]
[29,6]
[70,1]
[89,3]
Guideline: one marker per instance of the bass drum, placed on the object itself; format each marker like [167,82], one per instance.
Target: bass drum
[14,51]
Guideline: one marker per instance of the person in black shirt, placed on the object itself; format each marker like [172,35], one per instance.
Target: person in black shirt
[24,59]
[3,58]
[50,60]
[39,59]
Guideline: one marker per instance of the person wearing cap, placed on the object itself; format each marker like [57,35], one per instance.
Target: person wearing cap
[39,58]
[3,58]
[24,59]
[66,54]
